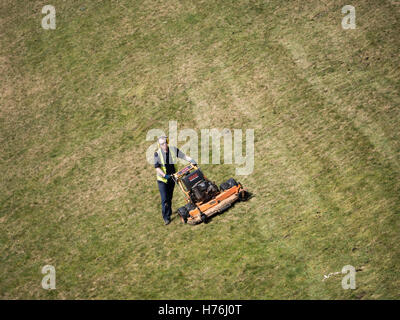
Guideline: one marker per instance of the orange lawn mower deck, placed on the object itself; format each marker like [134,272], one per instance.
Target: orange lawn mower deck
[204,199]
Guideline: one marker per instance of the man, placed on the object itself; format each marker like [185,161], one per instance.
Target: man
[165,162]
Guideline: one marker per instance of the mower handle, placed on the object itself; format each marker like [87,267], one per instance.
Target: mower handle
[189,167]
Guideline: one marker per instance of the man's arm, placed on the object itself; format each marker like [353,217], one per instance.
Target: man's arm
[157,165]
[160,172]
[181,155]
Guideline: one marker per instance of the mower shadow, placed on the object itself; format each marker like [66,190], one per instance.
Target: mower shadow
[249,195]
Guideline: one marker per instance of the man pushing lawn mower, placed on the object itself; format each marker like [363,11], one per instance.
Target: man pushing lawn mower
[165,160]
[203,197]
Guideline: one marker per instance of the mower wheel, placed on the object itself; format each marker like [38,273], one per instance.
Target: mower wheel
[232,182]
[243,195]
[203,218]
[183,214]
[190,206]
[224,186]
[228,184]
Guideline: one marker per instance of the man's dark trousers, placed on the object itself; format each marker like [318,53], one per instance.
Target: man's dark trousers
[166,192]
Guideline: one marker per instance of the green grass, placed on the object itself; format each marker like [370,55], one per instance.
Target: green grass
[76,191]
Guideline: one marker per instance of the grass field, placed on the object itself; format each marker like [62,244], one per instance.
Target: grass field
[77,193]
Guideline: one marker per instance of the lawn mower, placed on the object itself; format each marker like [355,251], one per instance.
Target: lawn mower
[204,199]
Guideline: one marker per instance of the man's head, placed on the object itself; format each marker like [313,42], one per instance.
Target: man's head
[163,143]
